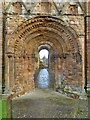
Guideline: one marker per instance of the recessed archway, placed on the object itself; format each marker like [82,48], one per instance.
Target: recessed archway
[32,36]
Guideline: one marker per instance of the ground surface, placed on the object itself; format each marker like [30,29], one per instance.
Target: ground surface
[46,103]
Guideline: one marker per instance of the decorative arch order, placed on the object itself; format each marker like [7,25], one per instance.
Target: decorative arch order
[51,29]
[40,25]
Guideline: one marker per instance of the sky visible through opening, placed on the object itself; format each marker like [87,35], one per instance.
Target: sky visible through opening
[43,53]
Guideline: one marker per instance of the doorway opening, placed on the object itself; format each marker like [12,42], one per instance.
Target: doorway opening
[43,77]
[44,59]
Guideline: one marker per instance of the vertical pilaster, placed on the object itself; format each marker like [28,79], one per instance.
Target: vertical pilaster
[11,72]
[0,47]
[6,73]
[88,46]
[45,6]
[56,69]
[17,7]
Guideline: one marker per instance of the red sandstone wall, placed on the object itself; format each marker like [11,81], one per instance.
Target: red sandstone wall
[71,70]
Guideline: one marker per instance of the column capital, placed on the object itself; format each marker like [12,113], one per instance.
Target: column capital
[10,54]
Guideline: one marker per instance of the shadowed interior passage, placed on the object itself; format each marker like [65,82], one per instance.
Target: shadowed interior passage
[43,81]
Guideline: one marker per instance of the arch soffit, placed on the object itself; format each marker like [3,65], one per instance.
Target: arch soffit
[52,45]
[29,25]
[61,33]
[55,45]
[50,35]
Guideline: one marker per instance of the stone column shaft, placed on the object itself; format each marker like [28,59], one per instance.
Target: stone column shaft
[6,73]
[0,47]
[88,46]
[11,72]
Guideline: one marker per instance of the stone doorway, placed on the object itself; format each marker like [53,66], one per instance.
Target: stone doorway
[65,55]
[43,75]
[44,58]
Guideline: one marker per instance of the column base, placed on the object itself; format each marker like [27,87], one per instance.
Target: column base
[88,89]
[83,95]
[5,97]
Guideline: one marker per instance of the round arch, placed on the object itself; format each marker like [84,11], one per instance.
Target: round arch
[25,41]
[41,24]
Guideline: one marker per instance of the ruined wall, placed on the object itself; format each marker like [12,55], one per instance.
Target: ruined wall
[71,76]
[19,76]
[66,39]
[73,64]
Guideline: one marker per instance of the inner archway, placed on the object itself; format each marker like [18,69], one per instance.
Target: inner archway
[44,58]
[43,73]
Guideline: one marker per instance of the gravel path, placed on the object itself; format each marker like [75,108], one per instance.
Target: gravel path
[46,103]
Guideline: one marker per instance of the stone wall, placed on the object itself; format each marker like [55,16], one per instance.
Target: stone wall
[70,77]
[65,35]
[71,73]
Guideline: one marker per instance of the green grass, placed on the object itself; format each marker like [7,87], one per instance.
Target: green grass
[81,113]
[65,101]
[2,109]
